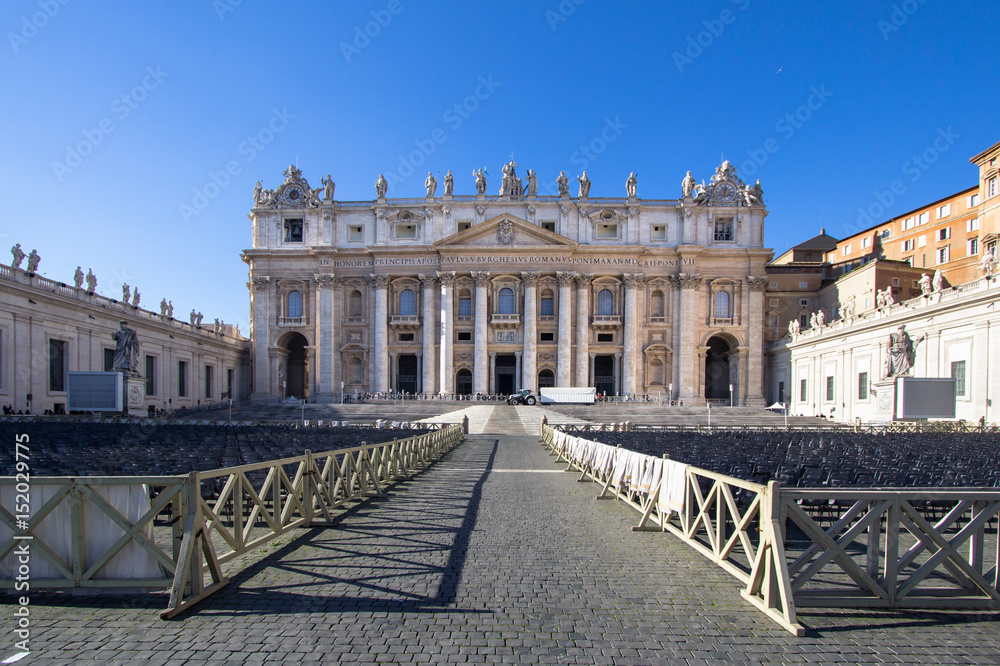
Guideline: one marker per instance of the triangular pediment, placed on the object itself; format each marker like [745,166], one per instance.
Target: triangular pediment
[505,231]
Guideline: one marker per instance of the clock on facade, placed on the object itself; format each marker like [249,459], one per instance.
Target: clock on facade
[725,192]
[293,194]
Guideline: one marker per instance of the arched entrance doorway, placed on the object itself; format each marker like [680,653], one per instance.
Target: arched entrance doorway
[604,374]
[546,379]
[406,373]
[505,370]
[296,376]
[718,373]
[463,382]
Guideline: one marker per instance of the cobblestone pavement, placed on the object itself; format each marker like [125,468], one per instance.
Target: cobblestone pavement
[492,555]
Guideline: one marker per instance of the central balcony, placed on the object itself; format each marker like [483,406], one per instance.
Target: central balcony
[606,322]
[404,322]
[505,320]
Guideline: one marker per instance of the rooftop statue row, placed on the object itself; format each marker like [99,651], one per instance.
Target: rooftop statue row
[724,189]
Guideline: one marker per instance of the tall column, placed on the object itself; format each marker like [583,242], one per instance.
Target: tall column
[618,373]
[592,355]
[529,376]
[393,368]
[262,386]
[565,352]
[517,372]
[493,372]
[381,323]
[755,340]
[480,375]
[583,329]
[324,338]
[631,335]
[687,324]
[420,373]
[428,280]
[447,362]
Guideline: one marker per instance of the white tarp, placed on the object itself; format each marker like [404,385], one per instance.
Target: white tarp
[581,394]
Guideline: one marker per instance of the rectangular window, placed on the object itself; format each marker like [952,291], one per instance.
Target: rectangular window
[547,307]
[895,282]
[406,231]
[829,389]
[804,321]
[803,285]
[463,226]
[659,232]
[549,226]
[109,360]
[605,337]
[907,245]
[406,337]
[772,285]
[804,302]
[724,230]
[922,218]
[973,200]
[944,234]
[355,234]
[972,225]
[607,231]
[182,378]
[150,375]
[958,374]
[208,381]
[57,365]
[465,307]
[943,254]
[886,233]
[866,243]
[944,211]
[465,336]
[973,248]
[803,390]
[862,386]
[847,249]
[293,230]
[922,241]
[991,187]
[547,337]
[907,223]
[772,302]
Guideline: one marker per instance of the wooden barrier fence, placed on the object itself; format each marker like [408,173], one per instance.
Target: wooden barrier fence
[214,516]
[879,549]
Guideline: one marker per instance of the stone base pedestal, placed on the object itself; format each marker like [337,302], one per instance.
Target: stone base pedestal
[135,395]
[885,399]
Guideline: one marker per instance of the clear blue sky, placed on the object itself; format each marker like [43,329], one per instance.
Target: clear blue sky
[115,115]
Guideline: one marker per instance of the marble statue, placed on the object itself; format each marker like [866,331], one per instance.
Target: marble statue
[888,298]
[126,349]
[879,299]
[217,326]
[135,298]
[849,306]
[78,277]
[381,186]
[820,318]
[200,317]
[754,194]
[237,331]
[812,320]
[630,184]
[938,280]
[925,284]
[687,185]
[902,352]
[91,281]
[480,181]
[258,193]
[584,185]
[532,188]
[793,328]
[126,293]
[562,182]
[18,256]
[163,306]
[700,193]
[194,317]
[33,260]
[987,265]
[328,187]
[170,309]
[511,184]
[449,184]
[431,184]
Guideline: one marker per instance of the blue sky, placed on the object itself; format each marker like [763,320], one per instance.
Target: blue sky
[120,119]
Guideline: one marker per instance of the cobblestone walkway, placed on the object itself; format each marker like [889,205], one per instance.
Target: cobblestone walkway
[493,555]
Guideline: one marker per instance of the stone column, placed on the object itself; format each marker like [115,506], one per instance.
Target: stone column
[420,373]
[262,376]
[699,373]
[324,340]
[381,324]
[755,341]
[480,374]
[529,378]
[428,280]
[447,362]
[565,352]
[583,329]
[631,334]
[493,372]
[393,367]
[688,389]
[517,372]
[592,355]
[618,373]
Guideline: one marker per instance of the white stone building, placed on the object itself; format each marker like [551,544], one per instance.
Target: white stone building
[49,328]
[491,293]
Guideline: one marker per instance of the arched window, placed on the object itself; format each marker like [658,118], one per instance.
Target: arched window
[355,306]
[506,301]
[294,304]
[546,378]
[656,304]
[605,302]
[722,305]
[547,309]
[407,302]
